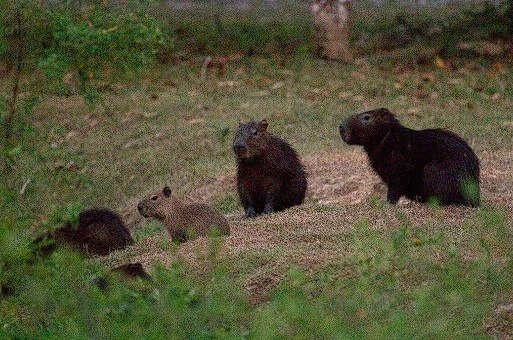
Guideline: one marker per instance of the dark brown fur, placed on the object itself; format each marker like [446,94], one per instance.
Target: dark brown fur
[99,231]
[270,176]
[131,270]
[125,272]
[424,165]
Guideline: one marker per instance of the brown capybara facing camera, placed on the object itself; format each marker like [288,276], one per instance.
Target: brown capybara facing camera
[424,165]
[183,221]
[270,176]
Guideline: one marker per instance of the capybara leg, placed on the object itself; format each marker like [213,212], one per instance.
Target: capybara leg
[250,212]
[248,204]
[269,204]
[441,183]
[394,193]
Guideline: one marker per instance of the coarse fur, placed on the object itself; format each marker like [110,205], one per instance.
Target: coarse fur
[124,272]
[99,231]
[183,221]
[270,176]
[423,165]
[131,270]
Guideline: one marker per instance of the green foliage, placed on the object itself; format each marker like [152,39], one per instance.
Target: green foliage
[101,43]
[471,190]
[227,203]
[213,30]
[396,292]
[79,49]
[3,45]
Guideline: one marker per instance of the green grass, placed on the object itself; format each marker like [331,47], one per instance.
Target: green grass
[394,291]
[327,271]
[173,140]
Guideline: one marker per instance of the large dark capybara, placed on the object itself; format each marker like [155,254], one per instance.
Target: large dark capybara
[426,165]
[270,176]
[98,232]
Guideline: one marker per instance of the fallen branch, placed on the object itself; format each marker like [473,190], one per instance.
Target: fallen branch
[204,68]
[24,187]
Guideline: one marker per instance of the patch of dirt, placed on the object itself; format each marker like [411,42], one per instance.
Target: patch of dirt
[341,178]
[500,323]
[346,178]
[333,178]
[314,234]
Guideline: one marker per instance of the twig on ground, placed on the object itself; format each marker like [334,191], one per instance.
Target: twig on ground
[24,187]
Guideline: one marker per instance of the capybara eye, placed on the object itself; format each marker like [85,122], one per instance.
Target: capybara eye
[154,197]
[366,117]
[255,132]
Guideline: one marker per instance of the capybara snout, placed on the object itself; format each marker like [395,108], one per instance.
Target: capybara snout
[240,150]
[366,127]
[342,129]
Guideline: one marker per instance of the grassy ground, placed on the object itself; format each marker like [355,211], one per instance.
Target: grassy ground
[344,265]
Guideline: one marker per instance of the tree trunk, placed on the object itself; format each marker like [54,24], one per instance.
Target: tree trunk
[331,22]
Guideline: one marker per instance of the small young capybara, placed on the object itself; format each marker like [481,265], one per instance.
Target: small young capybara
[183,221]
[424,165]
[270,176]
[99,231]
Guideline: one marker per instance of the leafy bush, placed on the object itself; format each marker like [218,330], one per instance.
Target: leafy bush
[100,43]
[78,48]
[395,291]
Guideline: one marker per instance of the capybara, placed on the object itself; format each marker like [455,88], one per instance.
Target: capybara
[99,231]
[125,272]
[270,176]
[131,270]
[183,221]
[424,165]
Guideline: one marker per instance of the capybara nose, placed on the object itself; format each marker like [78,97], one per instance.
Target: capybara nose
[342,127]
[344,132]
[239,149]
[140,207]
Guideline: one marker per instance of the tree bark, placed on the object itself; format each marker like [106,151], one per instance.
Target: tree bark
[331,22]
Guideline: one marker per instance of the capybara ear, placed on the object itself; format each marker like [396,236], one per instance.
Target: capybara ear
[263,125]
[166,191]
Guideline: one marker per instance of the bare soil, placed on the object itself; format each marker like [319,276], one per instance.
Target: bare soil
[321,232]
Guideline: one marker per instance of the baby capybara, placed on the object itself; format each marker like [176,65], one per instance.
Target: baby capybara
[183,221]
[424,165]
[270,176]
[99,231]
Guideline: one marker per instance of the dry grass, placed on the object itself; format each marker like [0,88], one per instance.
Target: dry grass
[321,233]
[179,133]
[173,129]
